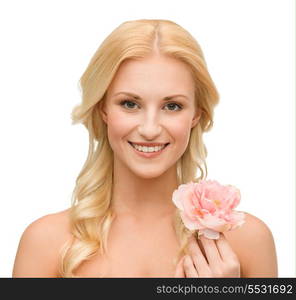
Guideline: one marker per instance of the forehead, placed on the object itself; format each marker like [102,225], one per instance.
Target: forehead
[157,73]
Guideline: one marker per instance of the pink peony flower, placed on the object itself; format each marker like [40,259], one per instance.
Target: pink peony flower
[208,206]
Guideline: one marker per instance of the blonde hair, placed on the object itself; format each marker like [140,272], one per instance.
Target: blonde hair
[91,213]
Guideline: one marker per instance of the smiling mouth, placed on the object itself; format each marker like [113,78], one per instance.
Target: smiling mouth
[165,145]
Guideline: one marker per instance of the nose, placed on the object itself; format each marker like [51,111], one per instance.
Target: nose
[150,128]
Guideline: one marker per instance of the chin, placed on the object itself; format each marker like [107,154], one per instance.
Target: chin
[146,174]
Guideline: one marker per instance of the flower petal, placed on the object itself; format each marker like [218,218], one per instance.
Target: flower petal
[237,219]
[208,205]
[188,222]
[179,195]
[210,234]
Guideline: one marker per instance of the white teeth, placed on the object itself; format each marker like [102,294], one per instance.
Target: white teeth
[148,149]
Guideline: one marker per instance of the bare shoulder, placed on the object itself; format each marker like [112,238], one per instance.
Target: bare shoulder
[254,245]
[39,248]
[253,229]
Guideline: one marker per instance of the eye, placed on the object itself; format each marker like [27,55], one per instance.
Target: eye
[172,105]
[130,104]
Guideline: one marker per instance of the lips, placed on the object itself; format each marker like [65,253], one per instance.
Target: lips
[149,145]
[149,154]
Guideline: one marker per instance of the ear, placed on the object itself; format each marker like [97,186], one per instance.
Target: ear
[196,119]
[101,108]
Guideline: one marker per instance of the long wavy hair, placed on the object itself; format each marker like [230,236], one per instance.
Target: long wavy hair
[91,213]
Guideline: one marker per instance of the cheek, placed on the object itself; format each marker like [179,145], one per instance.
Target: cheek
[181,131]
[118,127]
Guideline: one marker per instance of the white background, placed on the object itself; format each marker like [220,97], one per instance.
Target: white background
[249,48]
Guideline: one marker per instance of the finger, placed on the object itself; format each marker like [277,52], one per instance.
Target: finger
[226,252]
[202,249]
[198,258]
[212,252]
[189,268]
[179,269]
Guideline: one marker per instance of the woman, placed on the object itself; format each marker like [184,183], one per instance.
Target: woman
[147,99]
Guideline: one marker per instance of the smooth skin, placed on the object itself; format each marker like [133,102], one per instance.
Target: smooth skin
[219,261]
[143,187]
[248,251]
[252,245]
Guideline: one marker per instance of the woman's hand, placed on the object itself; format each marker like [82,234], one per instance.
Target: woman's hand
[216,259]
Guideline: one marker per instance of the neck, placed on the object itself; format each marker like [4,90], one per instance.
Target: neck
[143,198]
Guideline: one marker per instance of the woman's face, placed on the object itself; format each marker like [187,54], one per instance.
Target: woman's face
[150,101]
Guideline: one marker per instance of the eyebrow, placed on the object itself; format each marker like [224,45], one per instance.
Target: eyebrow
[139,98]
